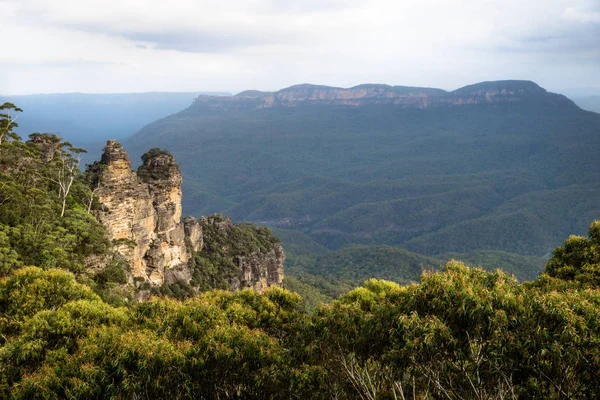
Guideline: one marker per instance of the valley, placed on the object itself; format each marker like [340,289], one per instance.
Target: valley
[497,168]
[494,174]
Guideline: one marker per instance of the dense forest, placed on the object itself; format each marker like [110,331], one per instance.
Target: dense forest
[457,333]
[45,217]
[462,333]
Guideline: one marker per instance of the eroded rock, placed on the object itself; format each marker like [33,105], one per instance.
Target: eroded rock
[142,214]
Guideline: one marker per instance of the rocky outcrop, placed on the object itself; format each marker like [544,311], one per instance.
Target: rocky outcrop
[168,249]
[260,270]
[193,231]
[142,214]
[48,144]
[255,255]
[403,96]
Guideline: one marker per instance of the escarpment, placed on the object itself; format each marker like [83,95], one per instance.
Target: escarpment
[499,92]
[142,214]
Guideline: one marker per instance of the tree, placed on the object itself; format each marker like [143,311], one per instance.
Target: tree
[93,178]
[9,258]
[578,258]
[8,122]
[65,168]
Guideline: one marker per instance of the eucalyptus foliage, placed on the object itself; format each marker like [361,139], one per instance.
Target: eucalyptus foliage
[460,333]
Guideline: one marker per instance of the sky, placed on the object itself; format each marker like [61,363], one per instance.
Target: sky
[118,46]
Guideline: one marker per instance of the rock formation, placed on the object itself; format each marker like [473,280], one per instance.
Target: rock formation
[256,254]
[260,270]
[142,213]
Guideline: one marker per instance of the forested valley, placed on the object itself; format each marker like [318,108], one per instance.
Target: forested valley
[458,332]
[495,174]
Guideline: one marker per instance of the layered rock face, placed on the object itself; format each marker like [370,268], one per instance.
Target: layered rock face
[257,255]
[142,214]
[403,96]
[260,270]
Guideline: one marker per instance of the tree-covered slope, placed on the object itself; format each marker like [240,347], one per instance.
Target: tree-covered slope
[357,263]
[524,268]
[500,166]
[321,275]
[460,333]
[45,217]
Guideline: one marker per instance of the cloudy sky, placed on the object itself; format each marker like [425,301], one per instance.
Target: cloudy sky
[101,46]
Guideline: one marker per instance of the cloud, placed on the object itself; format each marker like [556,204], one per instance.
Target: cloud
[574,41]
[187,26]
[231,45]
[588,12]
[197,40]
[575,31]
[59,63]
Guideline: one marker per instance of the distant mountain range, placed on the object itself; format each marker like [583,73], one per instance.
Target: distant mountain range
[405,96]
[85,118]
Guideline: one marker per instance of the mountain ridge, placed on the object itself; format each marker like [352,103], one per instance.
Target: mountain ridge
[383,174]
[488,92]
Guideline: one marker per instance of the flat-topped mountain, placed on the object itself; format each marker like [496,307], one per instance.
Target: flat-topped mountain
[405,96]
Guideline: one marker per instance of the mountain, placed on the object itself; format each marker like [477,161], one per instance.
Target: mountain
[369,94]
[496,166]
[83,118]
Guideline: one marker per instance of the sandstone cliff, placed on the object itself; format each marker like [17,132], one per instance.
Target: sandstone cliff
[142,214]
[403,96]
[237,256]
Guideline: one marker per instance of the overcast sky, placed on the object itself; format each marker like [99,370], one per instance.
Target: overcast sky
[101,46]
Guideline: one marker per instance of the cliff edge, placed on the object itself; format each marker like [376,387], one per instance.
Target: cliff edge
[495,92]
[142,214]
